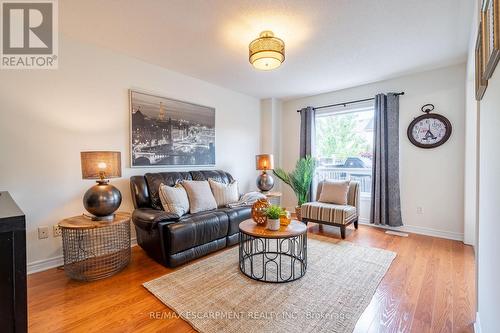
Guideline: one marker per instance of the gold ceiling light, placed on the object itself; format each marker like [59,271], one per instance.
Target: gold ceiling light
[266,52]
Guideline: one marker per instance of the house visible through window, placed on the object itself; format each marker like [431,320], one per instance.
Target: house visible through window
[344,145]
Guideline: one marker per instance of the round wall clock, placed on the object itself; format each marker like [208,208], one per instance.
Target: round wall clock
[429,130]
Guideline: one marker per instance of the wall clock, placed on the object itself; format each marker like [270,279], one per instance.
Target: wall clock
[429,130]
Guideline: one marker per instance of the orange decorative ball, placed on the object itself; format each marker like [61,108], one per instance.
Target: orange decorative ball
[259,211]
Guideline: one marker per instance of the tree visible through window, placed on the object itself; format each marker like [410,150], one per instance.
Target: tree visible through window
[344,146]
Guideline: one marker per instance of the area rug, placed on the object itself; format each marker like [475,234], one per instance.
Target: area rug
[214,296]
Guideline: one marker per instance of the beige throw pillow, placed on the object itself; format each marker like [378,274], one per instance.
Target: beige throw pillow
[224,193]
[174,199]
[200,196]
[334,191]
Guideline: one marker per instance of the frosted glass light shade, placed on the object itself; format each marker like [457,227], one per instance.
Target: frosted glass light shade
[266,52]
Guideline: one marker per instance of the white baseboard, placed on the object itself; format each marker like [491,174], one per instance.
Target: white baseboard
[419,230]
[477,324]
[45,264]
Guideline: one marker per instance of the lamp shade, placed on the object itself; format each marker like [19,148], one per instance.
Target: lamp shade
[101,164]
[264,162]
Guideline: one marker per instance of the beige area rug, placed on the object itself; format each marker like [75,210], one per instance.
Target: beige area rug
[214,296]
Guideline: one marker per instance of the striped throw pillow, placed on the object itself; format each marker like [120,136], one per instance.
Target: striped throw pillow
[174,199]
[224,194]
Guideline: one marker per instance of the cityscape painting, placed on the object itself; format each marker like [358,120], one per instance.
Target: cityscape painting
[166,132]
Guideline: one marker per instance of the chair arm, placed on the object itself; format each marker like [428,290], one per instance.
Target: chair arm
[148,218]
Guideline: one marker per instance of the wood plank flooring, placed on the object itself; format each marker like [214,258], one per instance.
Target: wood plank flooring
[429,288]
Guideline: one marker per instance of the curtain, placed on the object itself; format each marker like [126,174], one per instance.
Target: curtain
[307,137]
[386,202]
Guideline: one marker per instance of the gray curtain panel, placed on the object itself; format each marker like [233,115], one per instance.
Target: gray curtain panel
[307,131]
[386,202]
[307,137]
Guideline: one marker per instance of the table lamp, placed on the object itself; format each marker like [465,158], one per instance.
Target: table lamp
[102,199]
[264,162]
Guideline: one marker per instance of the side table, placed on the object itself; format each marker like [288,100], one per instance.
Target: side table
[95,249]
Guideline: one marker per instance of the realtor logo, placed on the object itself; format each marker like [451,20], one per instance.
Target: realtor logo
[29,34]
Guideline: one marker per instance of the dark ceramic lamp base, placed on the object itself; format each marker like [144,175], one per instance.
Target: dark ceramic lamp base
[265,182]
[102,200]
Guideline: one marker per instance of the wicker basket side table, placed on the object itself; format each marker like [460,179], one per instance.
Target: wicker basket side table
[95,249]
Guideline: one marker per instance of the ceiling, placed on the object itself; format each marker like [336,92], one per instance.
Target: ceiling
[330,44]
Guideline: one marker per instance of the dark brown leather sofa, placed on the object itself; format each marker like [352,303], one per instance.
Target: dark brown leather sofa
[173,241]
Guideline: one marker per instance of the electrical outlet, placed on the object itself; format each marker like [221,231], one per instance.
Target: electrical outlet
[57,230]
[420,210]
[43,232]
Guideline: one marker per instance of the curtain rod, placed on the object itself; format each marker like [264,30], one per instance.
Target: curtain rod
[350,102]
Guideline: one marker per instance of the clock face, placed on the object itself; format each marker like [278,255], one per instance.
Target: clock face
[429,131]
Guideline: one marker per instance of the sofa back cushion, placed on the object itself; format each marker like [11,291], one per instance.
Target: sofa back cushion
[200,196]
[153,181]
[217,175]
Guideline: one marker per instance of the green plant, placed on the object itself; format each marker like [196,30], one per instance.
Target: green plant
[274,212]
[300,178]
[338,136]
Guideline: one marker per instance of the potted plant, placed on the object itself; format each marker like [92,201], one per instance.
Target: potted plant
[273,214]
[299,180]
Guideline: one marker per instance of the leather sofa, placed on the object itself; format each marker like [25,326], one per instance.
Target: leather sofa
[173,241]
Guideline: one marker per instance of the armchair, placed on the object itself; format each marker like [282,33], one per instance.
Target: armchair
[331,214]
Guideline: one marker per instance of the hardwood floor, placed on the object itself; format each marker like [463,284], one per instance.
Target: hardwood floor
[428,288]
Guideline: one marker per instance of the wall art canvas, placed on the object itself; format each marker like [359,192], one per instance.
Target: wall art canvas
[168,132]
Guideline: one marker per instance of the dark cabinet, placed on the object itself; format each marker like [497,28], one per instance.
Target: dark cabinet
[13,299]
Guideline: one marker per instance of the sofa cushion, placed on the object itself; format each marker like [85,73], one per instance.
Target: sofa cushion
[200,196]
[174,199]
[154,180]
[224,193]
[217,175]
[236,216]
[148,218]
[339,214]
[196,229]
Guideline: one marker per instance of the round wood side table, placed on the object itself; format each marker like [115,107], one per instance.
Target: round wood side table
[273,256]
[95,249]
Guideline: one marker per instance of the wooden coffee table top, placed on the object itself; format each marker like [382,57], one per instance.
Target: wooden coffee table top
[295,228]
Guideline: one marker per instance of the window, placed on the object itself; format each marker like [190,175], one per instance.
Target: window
[344,145]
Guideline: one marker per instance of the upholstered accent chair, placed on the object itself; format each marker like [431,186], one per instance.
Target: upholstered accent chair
[332,214]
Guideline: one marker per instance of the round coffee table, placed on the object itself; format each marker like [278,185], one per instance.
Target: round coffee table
[273,256]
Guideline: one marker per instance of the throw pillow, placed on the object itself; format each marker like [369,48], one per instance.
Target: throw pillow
[174,199]
[334,191]
[224,193]
[200,196]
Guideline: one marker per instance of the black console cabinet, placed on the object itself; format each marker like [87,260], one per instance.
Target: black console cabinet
[13,304]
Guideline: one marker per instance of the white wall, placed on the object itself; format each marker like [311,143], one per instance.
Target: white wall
[488,228]
[431,179]
[471,172]
[489,208]
[48,117]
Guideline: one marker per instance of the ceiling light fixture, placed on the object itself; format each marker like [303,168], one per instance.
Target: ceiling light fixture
[266,52]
